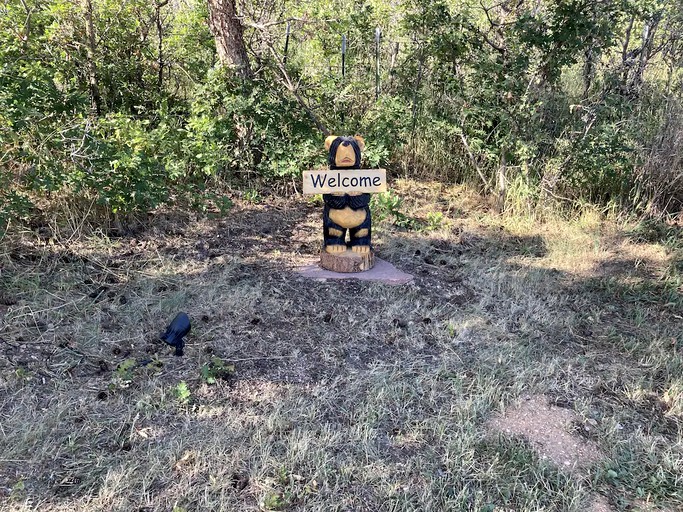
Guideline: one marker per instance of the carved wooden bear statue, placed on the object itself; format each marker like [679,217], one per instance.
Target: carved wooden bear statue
[346,211]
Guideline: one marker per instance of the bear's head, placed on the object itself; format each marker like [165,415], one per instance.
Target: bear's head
[344,152]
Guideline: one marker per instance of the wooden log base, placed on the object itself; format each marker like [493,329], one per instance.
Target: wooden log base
[347,261]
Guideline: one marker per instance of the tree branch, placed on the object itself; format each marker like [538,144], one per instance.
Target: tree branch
[294,89]
[287,81]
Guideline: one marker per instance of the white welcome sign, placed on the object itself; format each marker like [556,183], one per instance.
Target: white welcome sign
[331,181]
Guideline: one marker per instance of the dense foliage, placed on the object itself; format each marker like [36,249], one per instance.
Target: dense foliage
[123,106]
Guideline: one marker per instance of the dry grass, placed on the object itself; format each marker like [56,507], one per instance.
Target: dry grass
[345,395]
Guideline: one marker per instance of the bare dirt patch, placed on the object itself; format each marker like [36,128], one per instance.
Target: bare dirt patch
[547,428]
[600,504]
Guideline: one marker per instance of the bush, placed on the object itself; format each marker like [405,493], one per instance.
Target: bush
[468,94]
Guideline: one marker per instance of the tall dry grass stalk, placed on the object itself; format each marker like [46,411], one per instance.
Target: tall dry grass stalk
[660,178]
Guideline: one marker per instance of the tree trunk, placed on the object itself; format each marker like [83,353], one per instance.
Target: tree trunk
[160,46]
[648,38]
[347,261]
[502,182]
[91,66]
[227,30]
[626,56]
[588,71]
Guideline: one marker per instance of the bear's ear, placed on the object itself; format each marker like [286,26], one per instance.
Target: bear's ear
[328,141]
[361,141]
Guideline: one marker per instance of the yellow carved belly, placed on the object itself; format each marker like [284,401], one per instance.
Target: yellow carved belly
[347,218]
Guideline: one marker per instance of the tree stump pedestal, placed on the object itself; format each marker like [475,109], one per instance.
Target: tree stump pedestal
[347,261]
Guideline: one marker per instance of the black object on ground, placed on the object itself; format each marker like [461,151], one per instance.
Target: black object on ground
[175,332]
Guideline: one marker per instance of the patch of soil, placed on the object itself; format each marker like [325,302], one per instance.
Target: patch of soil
[643,506]
[546,427]
[600,504]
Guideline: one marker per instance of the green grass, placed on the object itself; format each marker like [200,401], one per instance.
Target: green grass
[344,395]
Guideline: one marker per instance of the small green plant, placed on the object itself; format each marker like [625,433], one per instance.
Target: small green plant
[216,369]
[123,375]
[18,491]
[252,196]
[23,373]
[387,206]
[223,203]
[155,365]
[182,392]
[209,202]
[435,220]
[315,200]
[283,476]
[274,500]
